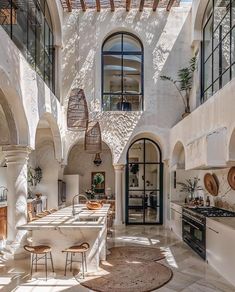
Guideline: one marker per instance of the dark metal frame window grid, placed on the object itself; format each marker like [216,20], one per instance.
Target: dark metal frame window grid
[51,58]
[123,53]
[219,46]
[159,190]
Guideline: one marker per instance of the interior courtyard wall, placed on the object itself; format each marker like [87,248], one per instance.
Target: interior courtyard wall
[81,163]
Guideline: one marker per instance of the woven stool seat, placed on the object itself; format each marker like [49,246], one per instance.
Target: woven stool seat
[38,249]
[78,248]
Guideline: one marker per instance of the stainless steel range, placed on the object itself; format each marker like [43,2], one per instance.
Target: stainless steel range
[194,226]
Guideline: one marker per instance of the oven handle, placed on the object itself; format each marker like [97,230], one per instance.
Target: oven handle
[194,226]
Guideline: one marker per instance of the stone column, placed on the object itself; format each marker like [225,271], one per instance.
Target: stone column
[16,160]
[119,180]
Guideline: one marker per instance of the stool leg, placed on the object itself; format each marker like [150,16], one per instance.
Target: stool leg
[85,260]
[52,265]
[46,265]
[36,262]
[71,261]
[32,259]
[65,268]
[83,266]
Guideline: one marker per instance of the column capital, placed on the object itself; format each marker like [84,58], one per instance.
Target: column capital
[16,153]
[119,166]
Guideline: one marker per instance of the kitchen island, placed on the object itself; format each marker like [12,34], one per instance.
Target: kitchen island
[61,230]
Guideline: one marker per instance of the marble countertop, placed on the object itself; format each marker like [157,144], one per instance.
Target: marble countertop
[180,203]
[226,221]
[63,218]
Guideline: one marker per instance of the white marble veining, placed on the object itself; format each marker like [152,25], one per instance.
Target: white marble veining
[191,273]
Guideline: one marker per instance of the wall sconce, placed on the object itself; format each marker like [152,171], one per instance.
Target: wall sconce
[97,161]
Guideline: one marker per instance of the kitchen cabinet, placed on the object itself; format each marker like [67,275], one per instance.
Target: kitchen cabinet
[220,249]
[3,222]
[176,219]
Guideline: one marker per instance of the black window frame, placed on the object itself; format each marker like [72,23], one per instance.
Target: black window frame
[219,46]
[122,53]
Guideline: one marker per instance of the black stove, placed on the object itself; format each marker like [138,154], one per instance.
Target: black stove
[194,225]
[213,212]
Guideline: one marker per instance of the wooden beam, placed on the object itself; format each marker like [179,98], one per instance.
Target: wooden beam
[155,4]
[97,5]
[141,8]
[83,4]
[128,5]
[112,5]
[69,5]
[169,5]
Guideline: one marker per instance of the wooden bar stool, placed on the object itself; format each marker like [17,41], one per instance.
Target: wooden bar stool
[39,252]
[73,250]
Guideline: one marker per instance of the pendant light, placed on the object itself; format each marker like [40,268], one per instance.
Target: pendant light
[93,141]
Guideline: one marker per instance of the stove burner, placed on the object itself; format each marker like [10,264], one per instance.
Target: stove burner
[213,212]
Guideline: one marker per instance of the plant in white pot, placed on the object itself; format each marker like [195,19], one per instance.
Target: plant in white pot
[184,83]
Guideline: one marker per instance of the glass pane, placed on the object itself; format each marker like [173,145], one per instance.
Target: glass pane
[216,67]
[216,86]
[132,102]
[226,53]
[131,44]
[233,71]
[112,66]
[152,211]
[19,29]
[132,74]
[217,37]
[207,94]
[226,77]
[5,16]
[226,24]
[111,102]
[151,152]
[48,16]
[31,34]
[135,206]
[233,12]
[136,152]
[220,9]
[233,46]
[113,44]
[207,41]
[40,43]
[208,73]
[152,172]
[136,173]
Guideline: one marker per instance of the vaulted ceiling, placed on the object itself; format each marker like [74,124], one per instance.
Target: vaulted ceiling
[83,5]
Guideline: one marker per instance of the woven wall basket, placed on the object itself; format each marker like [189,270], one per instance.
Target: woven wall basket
[93,141]
[77,112]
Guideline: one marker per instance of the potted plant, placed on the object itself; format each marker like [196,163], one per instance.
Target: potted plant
[183,83]
[190,187]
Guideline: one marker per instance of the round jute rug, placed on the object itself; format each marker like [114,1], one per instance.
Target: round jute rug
[129,276]
[136,252]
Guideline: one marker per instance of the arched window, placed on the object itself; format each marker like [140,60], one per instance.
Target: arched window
[218,54]
[122,73]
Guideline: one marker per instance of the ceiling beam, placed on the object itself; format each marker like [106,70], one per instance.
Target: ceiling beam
[112,5]
[141,8]
[128,5]
[155,4]
[69,5]
[169,5]
[97,5]
[83,4]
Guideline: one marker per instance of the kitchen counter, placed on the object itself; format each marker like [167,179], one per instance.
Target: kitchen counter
[61,230]
[180,203]
[228,222]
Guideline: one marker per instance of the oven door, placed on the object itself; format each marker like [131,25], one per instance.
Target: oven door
[194,235]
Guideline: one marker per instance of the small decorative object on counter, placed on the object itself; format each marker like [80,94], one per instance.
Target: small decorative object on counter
[208,202]
[211,184]
[94,205]
[190,187]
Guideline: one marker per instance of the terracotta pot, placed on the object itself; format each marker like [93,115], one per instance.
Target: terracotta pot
[94,205]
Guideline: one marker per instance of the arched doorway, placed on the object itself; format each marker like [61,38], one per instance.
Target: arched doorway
[144,183]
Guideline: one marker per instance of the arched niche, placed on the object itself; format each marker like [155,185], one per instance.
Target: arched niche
[178,156]
[82,164]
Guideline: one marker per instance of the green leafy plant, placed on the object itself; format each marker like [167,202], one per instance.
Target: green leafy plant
[184,82]
[190,186]
[98,179]
[134,168]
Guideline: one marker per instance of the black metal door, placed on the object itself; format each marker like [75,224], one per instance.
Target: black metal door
[144,183]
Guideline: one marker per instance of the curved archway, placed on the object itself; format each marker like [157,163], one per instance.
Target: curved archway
[144,183]
[178,156]
[81,164]
[122,72]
